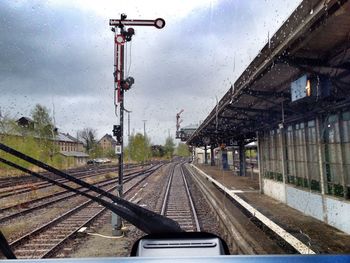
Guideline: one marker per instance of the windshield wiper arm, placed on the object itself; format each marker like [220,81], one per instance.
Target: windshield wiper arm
[146,220]
[127,214]
[5,247]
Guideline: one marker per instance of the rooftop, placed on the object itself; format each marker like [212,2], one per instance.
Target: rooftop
[314,39]
[74,154]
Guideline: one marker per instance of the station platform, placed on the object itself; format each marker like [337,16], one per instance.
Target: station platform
[288,222]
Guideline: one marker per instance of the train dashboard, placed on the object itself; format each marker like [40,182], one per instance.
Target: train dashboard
[216,259]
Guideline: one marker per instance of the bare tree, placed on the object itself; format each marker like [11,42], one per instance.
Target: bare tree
[7,124]
[88,137]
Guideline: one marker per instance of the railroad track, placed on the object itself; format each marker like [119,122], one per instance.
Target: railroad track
[44,241]
[27,187]
[21,209]
[177,202]
[28,179]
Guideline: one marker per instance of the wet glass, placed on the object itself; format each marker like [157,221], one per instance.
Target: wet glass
[58,102]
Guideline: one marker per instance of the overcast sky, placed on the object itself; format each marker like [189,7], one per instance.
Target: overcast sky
[59,53]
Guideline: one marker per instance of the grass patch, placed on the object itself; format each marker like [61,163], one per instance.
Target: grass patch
[10,230]
[110,175]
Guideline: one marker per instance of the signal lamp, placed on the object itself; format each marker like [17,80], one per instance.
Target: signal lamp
[126,84]
[128,34]
[131,31]
[117,132]
[159,23]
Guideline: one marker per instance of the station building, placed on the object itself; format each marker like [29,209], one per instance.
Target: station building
[293,100]
[107,143]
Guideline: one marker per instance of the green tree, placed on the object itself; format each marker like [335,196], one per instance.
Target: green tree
[110,153]
[157,150]
[43,125]
[139,147]
[96,151]
[182,150]
[44,129]
[169,147]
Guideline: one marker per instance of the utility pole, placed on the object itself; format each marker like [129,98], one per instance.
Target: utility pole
[129,124]
[121,36]
[144,128]
[128,112]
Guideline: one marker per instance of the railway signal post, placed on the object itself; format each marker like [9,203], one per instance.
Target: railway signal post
[122,84]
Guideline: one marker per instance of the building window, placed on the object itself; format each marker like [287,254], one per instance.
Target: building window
[345,125]
[272,159]
[300,158]
[304,142]
[290,155]
[336,139]
[302,165]
[332,153]
[312,156]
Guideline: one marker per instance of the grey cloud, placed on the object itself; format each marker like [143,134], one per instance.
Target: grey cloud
[51,48]
[66,56]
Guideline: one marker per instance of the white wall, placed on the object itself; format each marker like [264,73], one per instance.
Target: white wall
[324,208]
[274,189]
[307,202]
[199,156]
[338,214]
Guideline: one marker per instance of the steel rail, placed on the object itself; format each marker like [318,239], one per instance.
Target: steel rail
[40,185]
[180,209]
[194,212]
[145,219]
[68,214]
[166,196]
[4,209]
[67,195]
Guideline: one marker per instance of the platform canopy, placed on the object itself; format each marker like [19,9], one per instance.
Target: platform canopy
[314,39]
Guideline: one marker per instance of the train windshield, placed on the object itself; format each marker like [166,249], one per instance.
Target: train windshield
[125,118]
